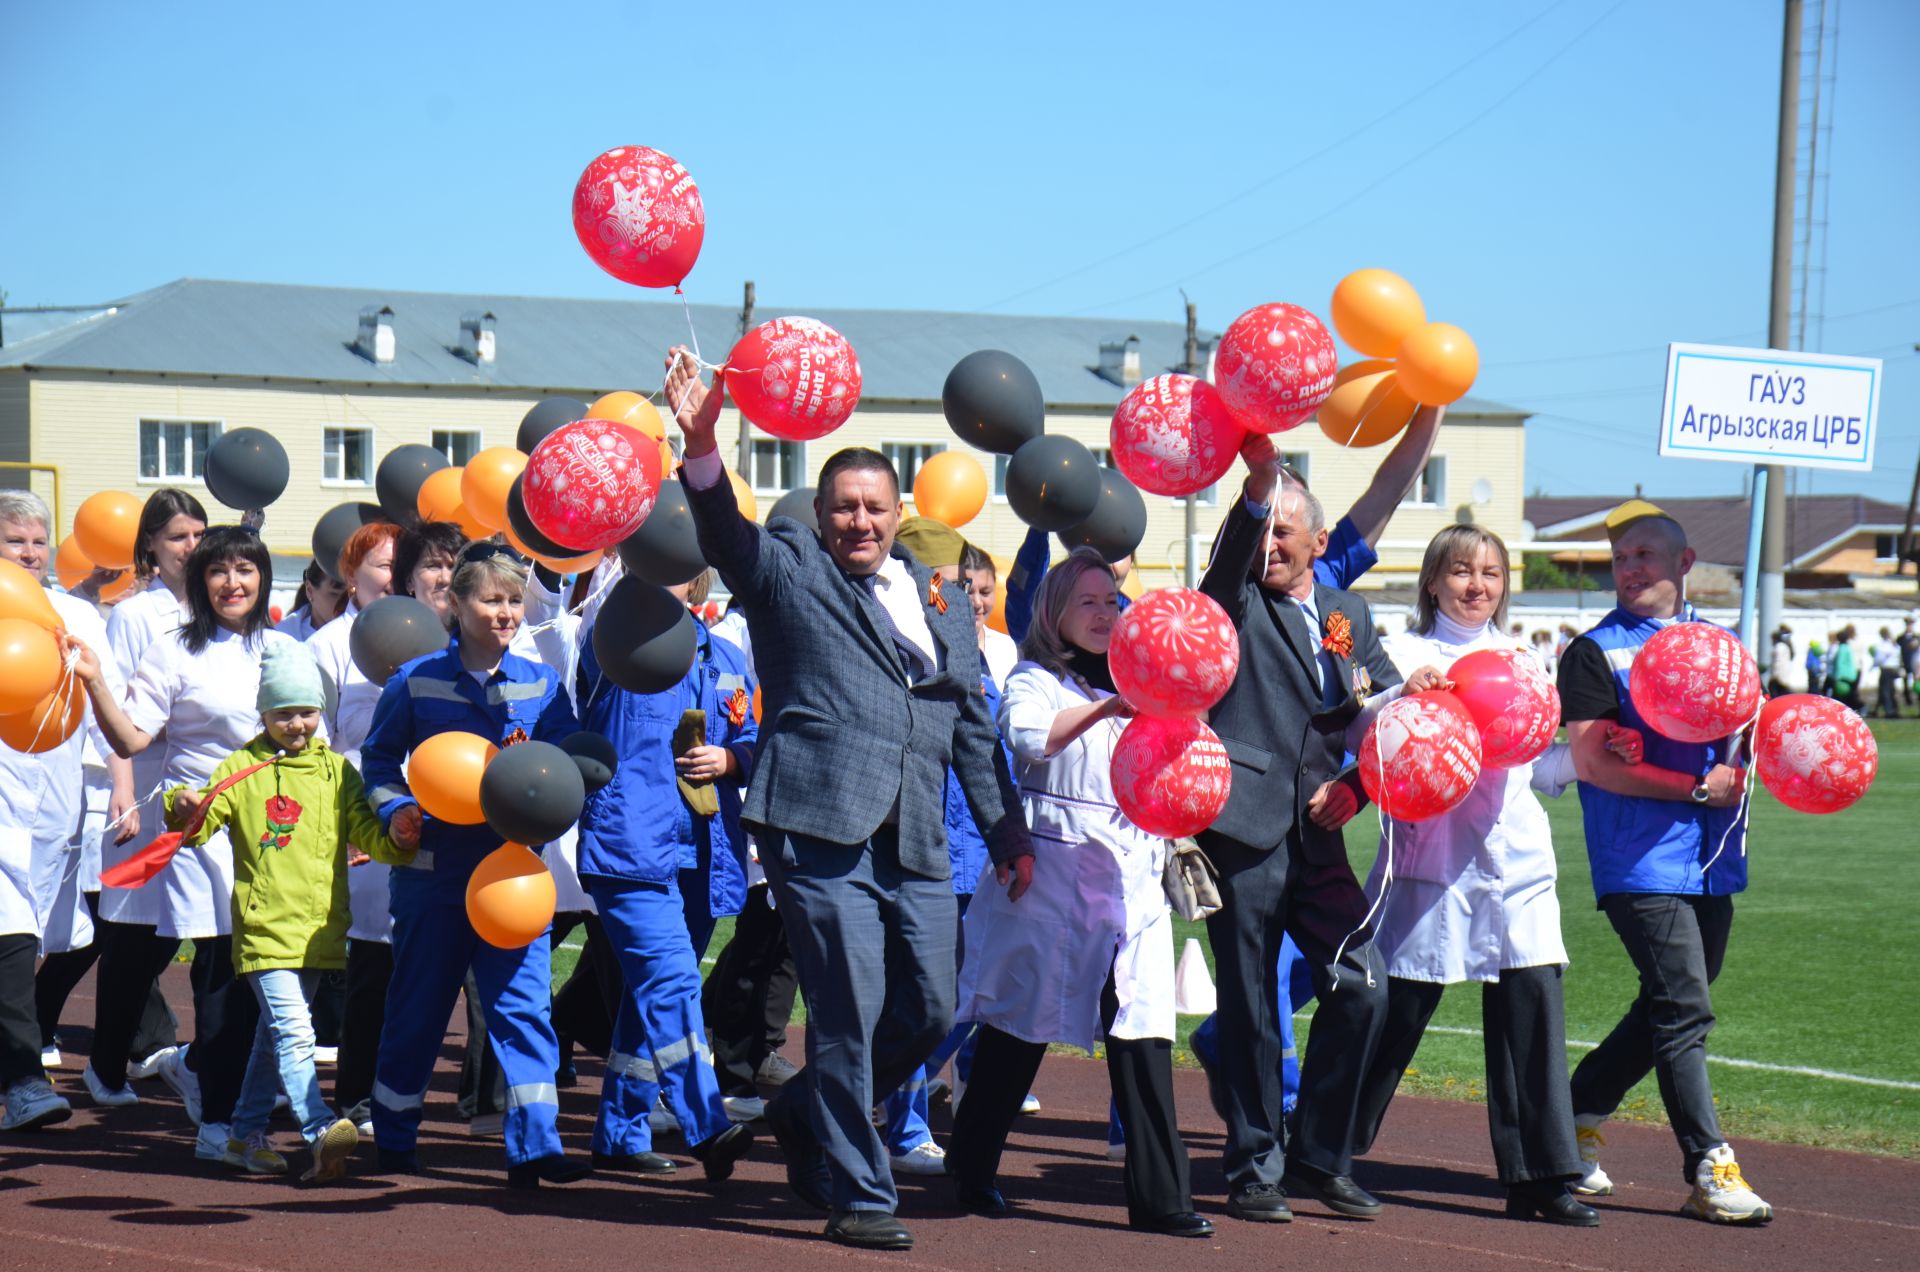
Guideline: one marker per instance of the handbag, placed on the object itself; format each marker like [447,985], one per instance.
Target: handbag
[1189,880]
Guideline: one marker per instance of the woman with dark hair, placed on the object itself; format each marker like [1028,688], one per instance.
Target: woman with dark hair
[423,562]
[320,600]
[193,699]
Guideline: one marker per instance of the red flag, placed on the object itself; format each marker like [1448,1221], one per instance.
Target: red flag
[155,857]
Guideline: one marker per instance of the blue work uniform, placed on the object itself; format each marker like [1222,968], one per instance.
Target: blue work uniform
[433,942]
[639,841]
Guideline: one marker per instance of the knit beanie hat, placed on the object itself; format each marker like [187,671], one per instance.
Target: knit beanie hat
[289,677]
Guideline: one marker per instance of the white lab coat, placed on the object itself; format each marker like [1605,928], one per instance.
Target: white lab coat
[132,626]
[1035,967]
[347,723]
[1472,890]
[1000,654]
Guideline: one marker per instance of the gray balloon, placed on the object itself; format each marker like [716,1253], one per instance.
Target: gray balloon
[547,415]
[336,526]
[1118,523]
[797,504]
[392,631]
[246,469]
[643,638]
[531,793]
[401,474]
[594,756]
[1053,482]
[665,550]
[992,401]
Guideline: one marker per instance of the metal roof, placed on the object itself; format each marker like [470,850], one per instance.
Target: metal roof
[1716,525]
[282,331]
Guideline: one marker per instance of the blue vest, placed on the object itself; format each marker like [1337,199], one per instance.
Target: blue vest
[1653,845]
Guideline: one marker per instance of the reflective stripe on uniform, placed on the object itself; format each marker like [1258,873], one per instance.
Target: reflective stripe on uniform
[680,1049]
[422,860]
[381,796]
[387,1097]
[519,1097]
[439,690]
[632,1067]
[504,691]
[1621,659]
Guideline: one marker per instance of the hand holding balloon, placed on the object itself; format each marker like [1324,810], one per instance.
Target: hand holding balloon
[404,829]
[1332,806]
[696,408]
[1263,466]
[123,811]
[1425,678]
[1020,871]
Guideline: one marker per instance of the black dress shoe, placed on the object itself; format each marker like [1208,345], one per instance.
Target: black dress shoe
[1337,1193]
[981,1199]
[1552,1202]
[806,1165]
[869,1230]
[635,1163]
[395,1161]
[557,1169]
[1260,1203]
[718,1153]
[1183,1223]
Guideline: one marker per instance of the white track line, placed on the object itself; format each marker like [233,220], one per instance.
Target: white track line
[1795,1070]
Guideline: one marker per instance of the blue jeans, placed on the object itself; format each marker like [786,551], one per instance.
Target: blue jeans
[282,1055]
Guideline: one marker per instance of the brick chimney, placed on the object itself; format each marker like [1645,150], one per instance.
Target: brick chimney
[375,341]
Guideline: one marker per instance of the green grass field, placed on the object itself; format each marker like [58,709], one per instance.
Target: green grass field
[1820,972]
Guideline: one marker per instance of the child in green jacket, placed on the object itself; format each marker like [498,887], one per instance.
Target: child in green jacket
[293,808]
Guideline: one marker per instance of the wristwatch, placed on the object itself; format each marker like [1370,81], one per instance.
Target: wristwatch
[1700,794]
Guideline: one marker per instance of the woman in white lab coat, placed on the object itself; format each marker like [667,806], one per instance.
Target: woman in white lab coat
[1471,898]
[1087,951]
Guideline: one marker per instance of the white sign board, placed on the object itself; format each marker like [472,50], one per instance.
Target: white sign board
[1770,406]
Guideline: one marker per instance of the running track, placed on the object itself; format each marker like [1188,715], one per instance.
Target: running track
[123,1190]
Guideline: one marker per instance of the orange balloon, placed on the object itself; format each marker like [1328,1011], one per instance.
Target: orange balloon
[951,488]
[49,722]
[111,592]
[632,410]
[743,496]
[22,596]
[997,618]
[1367,405]
[70,565]
[756,704]
[484,483]
[30,666]
[1375,309]
[107,524]
[559,565]
[510,897]
[1437,363]
[444,774]
[439,500]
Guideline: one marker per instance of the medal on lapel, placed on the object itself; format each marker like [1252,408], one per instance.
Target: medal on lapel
[934,598]
[1362,683]
[515,738]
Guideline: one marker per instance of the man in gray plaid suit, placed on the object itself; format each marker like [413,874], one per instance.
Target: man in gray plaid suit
[870,678]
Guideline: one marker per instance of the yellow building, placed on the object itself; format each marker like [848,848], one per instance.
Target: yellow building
[131,396]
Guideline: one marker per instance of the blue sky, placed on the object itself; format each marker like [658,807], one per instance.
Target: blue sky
[1574,182]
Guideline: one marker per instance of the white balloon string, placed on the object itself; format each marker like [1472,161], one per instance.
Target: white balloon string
[694,334]
[1744,809]
[599,589]
[57,702]
[1386,882]
[136,805]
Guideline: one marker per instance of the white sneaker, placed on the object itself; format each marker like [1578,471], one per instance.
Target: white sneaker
[1586,1129]
[922,1159]
[1031,1104]
[49,1057]
[1720,1195]
[744,1108]
[184,1081]
[210,1142]
[662,1120]
[326,1055]
[102,1095]
[361,1115]
[255,1156]
[32,1104]
[141,1070]
[488,1125]
[331,1151]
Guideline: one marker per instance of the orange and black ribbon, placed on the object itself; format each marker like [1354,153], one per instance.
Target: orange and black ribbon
[934,598]
[737,706]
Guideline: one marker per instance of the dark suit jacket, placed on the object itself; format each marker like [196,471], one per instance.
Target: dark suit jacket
[842,732]
[1282,744]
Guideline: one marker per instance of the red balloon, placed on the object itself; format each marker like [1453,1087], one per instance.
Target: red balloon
[1173,435]
[1813,753]
[797,378]
[1694,682]
[1174,653]
[1170,777]
[591,483]
[1275,366]
[1420,756]
[638,214]
[1513,703]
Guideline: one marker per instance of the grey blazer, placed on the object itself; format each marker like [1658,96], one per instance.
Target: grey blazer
[1282,744]
[843,735]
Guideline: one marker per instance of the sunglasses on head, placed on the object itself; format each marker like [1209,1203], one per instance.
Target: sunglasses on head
[487,550]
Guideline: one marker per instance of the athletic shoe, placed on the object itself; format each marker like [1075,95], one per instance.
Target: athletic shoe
[50,1056]
[361,1115]
[141,1070]
[1721,1195]
[326,1055]
[32,1104]
[254,1156]
[210,1143]
[663,1122]
[922,1159]
[744,1108]
[186,1084]
[102,1094]
[776,1070]
[488,1125]
[1031,1104]
[330,1152]
[1586,1129]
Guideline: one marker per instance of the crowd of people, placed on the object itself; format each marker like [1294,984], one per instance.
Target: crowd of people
[911,816]
[1837,668]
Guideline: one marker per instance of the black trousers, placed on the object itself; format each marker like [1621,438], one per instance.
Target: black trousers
[748,996]
[369,968]
[132,957]
[1141,1073]
[1529,1106]
[19,1023]
[1677,944]
[483,1082]
[329,1007]
[586,1003]
[225,1017]
[1316,900]
[60,973]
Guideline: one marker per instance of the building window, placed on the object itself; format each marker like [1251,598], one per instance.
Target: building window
[175,450]
[775,467]
[1300,462]
[457,444]
[346,456]
[907,457]
[1886,547]
[1000,476]
[1430,488]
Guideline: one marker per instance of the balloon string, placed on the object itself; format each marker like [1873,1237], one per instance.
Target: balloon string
[136,806]
[598,590]
[1366,920]
[67,676]
[694,334]
[1745,808]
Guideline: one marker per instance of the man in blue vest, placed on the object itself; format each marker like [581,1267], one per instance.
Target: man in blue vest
[1668,851]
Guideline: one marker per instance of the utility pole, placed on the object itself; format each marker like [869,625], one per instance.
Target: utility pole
[1192,367]
[745,466]
[1769,480]
[1906,535]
